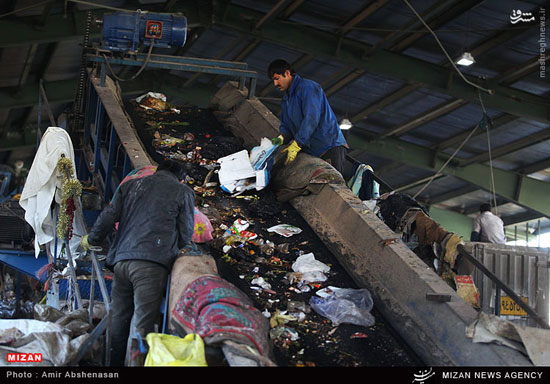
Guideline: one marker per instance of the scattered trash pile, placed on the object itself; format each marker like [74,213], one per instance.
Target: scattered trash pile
[50,338]
[42,334]
[317,316]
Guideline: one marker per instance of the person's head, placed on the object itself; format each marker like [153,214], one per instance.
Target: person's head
[174,167]
[484,208]
[281,73]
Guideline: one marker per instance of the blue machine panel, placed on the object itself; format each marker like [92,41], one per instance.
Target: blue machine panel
[124,31]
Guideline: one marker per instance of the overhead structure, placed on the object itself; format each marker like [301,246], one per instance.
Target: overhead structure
[379,62]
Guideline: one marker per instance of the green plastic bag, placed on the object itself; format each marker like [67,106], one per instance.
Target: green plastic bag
[169,350]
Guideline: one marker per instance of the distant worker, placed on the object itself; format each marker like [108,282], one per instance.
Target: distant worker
[488,227]
[155,220]
[307,120]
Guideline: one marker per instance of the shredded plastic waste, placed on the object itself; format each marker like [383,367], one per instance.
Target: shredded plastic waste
[285,230]
[345,305]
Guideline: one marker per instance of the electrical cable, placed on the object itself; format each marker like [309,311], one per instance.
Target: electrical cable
[493,187]
[446,163]
[138,72]
[489,91]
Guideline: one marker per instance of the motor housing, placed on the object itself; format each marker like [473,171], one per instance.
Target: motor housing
[127,31]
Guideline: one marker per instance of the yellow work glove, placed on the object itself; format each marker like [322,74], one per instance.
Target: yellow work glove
[278,140]
[291,152]
[87,246]
[84,243]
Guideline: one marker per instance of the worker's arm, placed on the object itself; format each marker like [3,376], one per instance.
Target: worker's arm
[186,218]
[311,99]
[106,221]
[284,129]
[476,229]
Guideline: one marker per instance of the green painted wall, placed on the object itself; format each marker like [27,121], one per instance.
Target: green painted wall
[453,222]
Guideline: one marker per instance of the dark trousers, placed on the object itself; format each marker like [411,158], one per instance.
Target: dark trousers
[136,297]
[336,157]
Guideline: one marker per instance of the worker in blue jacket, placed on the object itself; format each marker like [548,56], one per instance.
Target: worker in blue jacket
[307,121]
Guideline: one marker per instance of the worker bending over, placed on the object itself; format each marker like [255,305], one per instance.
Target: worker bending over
[155,220]
[307,120]
[488,227]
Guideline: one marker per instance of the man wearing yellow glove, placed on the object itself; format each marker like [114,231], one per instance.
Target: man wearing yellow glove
[308,123]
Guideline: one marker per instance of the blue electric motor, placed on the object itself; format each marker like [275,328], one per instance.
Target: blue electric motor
[125,31]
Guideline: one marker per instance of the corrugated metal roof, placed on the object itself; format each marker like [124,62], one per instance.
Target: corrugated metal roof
[377,100]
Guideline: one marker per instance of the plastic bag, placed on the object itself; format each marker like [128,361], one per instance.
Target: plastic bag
[169,350]
[202,232]
[345,305]
[312,270]
[285,230]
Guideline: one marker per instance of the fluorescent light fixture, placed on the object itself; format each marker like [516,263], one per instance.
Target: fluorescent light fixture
[345,124]
[466,59]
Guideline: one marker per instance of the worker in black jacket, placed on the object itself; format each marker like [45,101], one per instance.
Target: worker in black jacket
[155,220]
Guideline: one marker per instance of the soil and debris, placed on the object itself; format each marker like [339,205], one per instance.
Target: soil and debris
[260,262]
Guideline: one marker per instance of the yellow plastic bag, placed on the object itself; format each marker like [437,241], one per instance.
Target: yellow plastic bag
[169,350]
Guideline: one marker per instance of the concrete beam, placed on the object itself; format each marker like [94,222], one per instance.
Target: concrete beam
[397,279]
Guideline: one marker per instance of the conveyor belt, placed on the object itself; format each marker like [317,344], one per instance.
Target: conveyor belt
[320,342]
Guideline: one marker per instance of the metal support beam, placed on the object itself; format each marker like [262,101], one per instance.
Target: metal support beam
[423,118]
[452,194]
[459,138]
[510,147]
[324,44]
[360,16]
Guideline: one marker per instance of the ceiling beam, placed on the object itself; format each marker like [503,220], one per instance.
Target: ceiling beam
[425,117]
[459,138]
[535,167]
[523,190]
[469,188]
[384,102]
[360,16]
[308,40]
[325,44]
[438,10]
[505,78]
[349,78]
[506,149]
[437,20]
[273,13]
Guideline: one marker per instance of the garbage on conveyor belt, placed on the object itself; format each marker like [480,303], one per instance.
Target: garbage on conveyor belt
[257,238]
[285,230]
[240,171]
[311,270]
[152,100]
[345,305]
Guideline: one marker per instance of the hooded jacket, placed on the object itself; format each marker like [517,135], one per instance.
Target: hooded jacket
[155,216]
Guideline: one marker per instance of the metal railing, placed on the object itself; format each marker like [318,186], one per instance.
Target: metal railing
[501,286]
